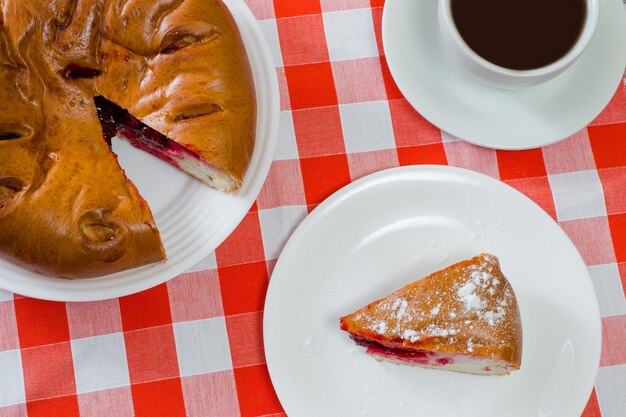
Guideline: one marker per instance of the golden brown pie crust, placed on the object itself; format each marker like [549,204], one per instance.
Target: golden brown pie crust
[66,207]
[468,308]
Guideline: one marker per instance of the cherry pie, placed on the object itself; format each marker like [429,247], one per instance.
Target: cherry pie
[463,318]
[170,76]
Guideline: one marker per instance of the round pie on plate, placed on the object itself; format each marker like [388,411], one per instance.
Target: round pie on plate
[170,76]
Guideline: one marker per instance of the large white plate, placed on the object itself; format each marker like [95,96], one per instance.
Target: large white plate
[454,101]
[393,227]
[193,219]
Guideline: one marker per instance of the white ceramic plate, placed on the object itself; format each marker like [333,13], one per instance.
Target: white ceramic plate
[193,219]
[391,228]
[454,101]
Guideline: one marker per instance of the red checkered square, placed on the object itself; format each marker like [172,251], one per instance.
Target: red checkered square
[48,371]
[243,287]
[521,164]
[424,154]
[409,127]
[615,111]
[377,20]
[40,322]
[302,40]
[244,245]
[359,80]
[94,319]
[285,102]
[195,296]
[54,407]
[364,163]
[159,399]
[245,336]
[592,238]
[9,339]
[465,155]
[150,361]
[18,410]
[211,394]
[262,9]
[288,8]
[283,186]
[538,189]
[607,142]
[569,155]
[146,309]
[622,273]
[116,402]
[613,347]
[592,409]
[323,176]
[336,5]
[617,223]
[393,92]
[311,85]
[614,184]
[318,131]
[256,395]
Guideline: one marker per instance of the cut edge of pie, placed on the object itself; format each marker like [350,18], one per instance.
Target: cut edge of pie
[117,121]
[464,318]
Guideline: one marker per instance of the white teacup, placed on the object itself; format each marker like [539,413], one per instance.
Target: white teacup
[498,76]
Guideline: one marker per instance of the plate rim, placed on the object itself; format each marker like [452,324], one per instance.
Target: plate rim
[388,174]
[435,120]
[96,289]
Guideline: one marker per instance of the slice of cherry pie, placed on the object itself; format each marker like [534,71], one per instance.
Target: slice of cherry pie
[463,318]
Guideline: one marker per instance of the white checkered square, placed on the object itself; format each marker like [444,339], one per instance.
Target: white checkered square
[202,346]
[350,34]
[277,225]
[611,390]
[286,148]
[11,378]
[208,262]
[465,155]
[5,295]
[100,363]
[609,290]
[270,30]
[577,195]
[446,137]
[367,126]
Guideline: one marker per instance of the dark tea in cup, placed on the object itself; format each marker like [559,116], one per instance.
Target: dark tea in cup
[520,34]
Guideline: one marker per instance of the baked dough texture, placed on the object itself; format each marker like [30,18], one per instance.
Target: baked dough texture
[178,66]
[464,318]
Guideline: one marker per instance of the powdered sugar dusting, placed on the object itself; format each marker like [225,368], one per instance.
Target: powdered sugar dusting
[399,308]
[475,300]
[411,335]
[379,327]
[482,278]
[435,310]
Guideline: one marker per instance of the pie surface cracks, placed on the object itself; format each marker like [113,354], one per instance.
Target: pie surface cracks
[66,207]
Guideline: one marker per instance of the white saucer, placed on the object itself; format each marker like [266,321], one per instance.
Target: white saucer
[391,228]
[454,101]
[193,219]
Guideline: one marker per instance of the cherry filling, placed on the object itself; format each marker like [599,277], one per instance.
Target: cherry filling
[118,121]
[419,357]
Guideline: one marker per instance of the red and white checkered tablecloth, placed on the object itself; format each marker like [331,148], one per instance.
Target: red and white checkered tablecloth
[193,347]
